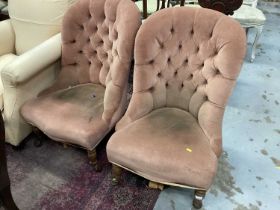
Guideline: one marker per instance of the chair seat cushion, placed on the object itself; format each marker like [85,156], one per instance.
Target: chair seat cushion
[166,146]
[249,16]
[72,115]
[4,60]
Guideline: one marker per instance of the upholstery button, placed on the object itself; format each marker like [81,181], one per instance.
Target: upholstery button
[89,62]
[206,98]
[182,85]
[175,73]
[81,27]
[159,74]
[172,30]
[151,89]
[168,60]
[101,41]
[73,41]
[161,45]
[180,46]
[166,84]
[80,51]
[116,35]
[191,76]
[192,32]
[88,40]
[94,52]
[186,61]
[151,61]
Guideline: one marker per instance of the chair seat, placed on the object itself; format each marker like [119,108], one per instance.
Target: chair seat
[72,115]
[249,16]
[4,60]
[166,146]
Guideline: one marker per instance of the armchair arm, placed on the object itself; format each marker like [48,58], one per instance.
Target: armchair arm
[7,37]
[33,61]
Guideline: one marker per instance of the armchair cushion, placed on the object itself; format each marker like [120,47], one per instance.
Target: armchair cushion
[81,105]
[164,141]
[35,21]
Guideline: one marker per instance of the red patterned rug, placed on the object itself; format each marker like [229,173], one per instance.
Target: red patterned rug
[52,177]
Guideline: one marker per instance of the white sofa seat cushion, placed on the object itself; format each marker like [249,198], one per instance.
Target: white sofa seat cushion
[249,16]
[4,60]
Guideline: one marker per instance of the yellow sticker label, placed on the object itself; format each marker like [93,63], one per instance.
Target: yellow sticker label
[188,149]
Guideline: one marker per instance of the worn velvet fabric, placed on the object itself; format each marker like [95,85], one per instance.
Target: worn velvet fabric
[186,64]
[98,39]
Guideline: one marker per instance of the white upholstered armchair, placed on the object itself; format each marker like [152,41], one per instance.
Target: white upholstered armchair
[29,52]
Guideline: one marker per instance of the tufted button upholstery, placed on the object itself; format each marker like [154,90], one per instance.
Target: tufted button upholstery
[206,65]
[179,96]
[97,48]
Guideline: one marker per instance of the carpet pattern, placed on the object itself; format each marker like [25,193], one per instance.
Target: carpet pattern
[52,178]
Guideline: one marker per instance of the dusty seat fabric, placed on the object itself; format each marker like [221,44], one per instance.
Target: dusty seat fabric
[89,96]
[177,130]
[81,105]
[186,64]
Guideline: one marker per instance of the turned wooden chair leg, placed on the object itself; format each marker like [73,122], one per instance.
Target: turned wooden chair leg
[155,185]
[38,141]
[116,174]
[7,199]
[65,145]
[92,156]
[198,198]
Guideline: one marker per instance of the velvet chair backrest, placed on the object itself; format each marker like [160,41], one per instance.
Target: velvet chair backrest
[97,47]
[187,58]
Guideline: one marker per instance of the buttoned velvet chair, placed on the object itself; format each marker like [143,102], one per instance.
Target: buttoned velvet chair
[89,96]
[186,64]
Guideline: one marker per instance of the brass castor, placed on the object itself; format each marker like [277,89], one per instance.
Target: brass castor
[198,198]
[93,160]
[116,174]
[155,185]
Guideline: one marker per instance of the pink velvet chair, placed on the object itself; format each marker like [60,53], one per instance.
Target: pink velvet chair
[89,96]
[186,64]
